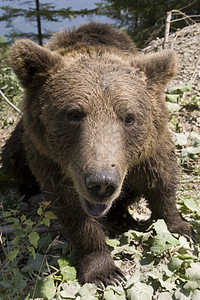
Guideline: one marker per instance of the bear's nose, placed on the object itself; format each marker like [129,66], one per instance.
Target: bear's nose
[102,185]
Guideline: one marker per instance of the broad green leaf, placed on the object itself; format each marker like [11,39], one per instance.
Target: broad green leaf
[13,254]
[46,222]
[39,211]
[33,238]
[190,150]
[29,223]
[45,289]
[32,250]
[191,204]
[50,215]
[159,245]
[88,289]
[111,295]
[68,272]
[34,264]
[175,263]
[162,231]
[112,242]
[15,241]
[134,278]
[132,294]
[194,272]
[140,291]
[70,289]
[118,289]
[181,294]
[7,214]
[196,295]
[172,98]
[23,218]
[191,285]
[180,139]
[180,89]
[173,107]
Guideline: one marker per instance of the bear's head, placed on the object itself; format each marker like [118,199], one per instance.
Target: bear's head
[96,113]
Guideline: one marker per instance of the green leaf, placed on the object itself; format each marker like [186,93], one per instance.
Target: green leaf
[111,295]
[7,214]
[29,223]
[46,222]
[180,139]
[68,272]
[196,295]
[191,285]
[134,278]
[190,150]
[70,289]
[39,211]
[88,289]
[194,271]
[34,264]
[140,291]
[15,241]
[32,250]
[45,289]
[191,204]
[172,98]
[49,215]
[33,238]
[181,294]
[173,107]
[13,254]
[112,242]
[23,218]
[175,263]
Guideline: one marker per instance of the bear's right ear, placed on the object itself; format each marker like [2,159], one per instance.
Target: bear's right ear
[31,62]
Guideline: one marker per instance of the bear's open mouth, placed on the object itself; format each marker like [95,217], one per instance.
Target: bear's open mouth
[95,209]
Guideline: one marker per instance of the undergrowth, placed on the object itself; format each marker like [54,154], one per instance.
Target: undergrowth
[36,263]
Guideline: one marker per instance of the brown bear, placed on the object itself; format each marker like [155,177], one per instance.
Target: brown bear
[94,135]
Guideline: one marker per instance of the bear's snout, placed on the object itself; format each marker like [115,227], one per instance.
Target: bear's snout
[101,186]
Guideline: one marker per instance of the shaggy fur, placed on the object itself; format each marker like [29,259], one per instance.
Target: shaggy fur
[94,135]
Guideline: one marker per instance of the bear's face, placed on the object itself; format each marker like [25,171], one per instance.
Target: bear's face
[98,121]
[93,114]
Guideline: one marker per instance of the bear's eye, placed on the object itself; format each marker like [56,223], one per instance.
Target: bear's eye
[129,120]
[75,115]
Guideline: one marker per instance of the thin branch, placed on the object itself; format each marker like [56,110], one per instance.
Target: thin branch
[169,21]
[188,17]
[10,103]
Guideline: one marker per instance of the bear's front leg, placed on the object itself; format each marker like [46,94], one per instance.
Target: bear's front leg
[161,194]
[93,260]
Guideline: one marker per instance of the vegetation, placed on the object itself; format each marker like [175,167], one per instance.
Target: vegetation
[36,260]
[145,20]
[37,12]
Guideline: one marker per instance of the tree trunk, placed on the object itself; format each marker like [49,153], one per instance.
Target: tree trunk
[38,22]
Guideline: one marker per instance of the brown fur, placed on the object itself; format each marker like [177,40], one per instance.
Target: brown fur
[94,134]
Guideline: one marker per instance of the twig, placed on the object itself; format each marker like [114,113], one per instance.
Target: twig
[169,21]
[10,103]
[45,255]
[167,28]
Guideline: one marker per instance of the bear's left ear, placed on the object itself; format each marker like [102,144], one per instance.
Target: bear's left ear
[31,62]
[159,67]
